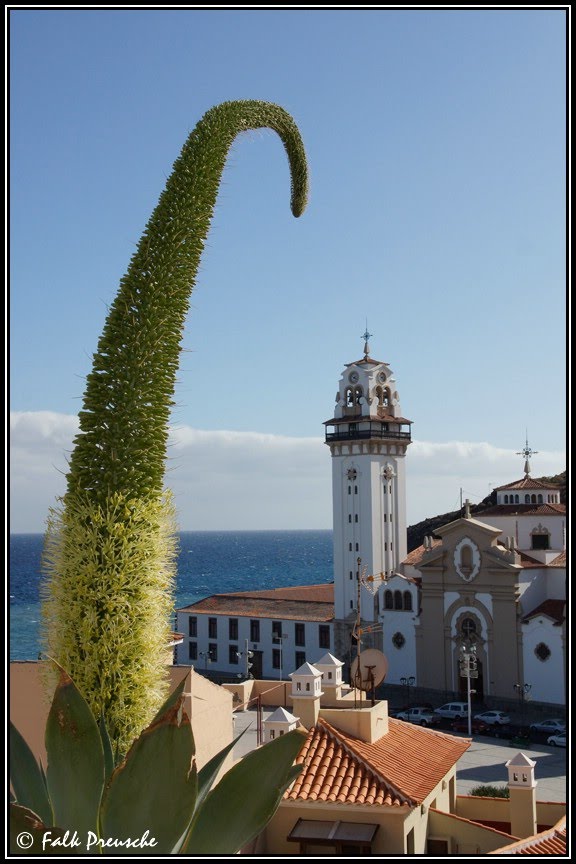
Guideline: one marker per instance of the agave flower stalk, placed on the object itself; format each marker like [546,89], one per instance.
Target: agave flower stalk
[110,547]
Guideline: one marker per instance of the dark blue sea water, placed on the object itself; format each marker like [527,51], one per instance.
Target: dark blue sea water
[210,562]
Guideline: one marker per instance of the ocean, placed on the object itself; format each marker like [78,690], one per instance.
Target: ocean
[209,562]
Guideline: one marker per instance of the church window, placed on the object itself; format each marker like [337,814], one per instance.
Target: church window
[349,547]
[505,499]
[397,600]
[407,601]
[385,547]
[350,576]
[398,640]
[385,517]
[298,684]
[527,499]
[540,499]
[349,490]
[466,563]
[533,499]
[308,686]
[468,628]
[351,604]
[349,397]
[542,651]
[349,517]
[540,538]
[356,518]
[388,600]
[357,395]
[391,545]
[357,547]
[355,490]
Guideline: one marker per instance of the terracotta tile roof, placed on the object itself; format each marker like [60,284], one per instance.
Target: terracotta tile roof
[527,483]
[402,767]
[298,603]
[524,510]
[417,554]
[559,561]
[551,842]
[551,608]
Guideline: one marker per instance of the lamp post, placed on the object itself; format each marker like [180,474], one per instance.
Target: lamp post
[523,690]
[278,639]
[207,655]
[408,682]
[468,670]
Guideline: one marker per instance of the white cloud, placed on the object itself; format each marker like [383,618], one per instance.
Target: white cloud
[247,480]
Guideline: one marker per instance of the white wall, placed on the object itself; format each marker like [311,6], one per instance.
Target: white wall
[266,645]
[547,679]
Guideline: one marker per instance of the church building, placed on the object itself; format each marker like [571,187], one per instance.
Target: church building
[493,585]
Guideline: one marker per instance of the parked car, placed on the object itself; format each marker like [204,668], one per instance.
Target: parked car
[493,718]
[550,726]
[420,715]
[453,710]
[558,740]
[478,727]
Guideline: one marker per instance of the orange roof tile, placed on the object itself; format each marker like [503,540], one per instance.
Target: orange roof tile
[401,767]
[559,561]
[551,842]
[523,510]
[417,554]
[297,603]
[527,483]
[551,608]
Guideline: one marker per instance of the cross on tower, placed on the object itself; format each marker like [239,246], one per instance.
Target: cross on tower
[366,336]
[527,452]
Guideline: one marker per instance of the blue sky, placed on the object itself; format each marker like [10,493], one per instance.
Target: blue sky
[436,143]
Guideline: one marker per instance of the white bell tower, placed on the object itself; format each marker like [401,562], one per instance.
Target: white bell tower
[368,439]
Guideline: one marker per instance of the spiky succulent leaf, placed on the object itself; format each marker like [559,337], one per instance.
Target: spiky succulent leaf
[108,559]
[26,777]
[245,799]
[75,771]
[154,789]
[27,832]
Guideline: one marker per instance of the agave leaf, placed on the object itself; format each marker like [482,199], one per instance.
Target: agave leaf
[172,699]
[154,789]
[75,760]
[107,749]
[206,778]
[27,832]
[246,798]
[26,777]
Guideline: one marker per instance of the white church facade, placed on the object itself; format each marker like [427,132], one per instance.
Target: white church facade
[497,582]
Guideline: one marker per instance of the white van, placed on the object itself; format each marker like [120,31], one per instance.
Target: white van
[453,710]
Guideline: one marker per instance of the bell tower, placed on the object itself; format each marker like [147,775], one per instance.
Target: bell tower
[368,438]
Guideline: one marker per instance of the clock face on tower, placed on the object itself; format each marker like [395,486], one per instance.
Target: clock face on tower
[353,377]
[382,377]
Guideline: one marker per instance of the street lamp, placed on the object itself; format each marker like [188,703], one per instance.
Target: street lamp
[523,690]
[278,639]
[408,682]
[207,658]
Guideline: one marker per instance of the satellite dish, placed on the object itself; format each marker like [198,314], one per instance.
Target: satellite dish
[369,669]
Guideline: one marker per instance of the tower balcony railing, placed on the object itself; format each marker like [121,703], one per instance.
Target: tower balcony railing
[366,434]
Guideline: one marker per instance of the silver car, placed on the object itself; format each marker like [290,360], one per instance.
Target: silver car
[453,710]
